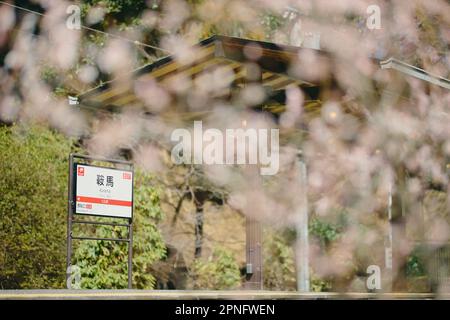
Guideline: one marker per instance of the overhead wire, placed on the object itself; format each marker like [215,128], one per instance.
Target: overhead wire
[135,42]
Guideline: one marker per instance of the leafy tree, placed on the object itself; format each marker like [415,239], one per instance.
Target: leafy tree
[33,207]
[220,271]
[279,265]
[118,11]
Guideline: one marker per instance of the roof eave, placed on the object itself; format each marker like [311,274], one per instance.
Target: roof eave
[393,63]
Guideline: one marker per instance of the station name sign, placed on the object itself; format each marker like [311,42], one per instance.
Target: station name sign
[101,191]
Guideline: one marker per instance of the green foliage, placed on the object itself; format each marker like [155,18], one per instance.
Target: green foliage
[324,231]
[103,264]
[123,11]
[220,271]
[33,207]
[271,23]
[414,265]
[279,265]
[319,284]
[49,74]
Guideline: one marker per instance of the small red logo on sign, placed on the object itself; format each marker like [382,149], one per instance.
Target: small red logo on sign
[80,171]
[126,176]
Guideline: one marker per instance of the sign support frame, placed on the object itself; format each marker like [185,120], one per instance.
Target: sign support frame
[71,221]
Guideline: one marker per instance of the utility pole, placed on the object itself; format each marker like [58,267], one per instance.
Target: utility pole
[302,245]
[388,244]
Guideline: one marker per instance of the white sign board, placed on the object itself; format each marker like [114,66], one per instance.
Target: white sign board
[103,191]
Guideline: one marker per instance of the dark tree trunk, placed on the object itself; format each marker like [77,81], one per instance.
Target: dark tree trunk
[198,229]
[399,211]
[200,197]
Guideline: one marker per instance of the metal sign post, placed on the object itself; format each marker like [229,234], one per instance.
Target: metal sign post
[97,206]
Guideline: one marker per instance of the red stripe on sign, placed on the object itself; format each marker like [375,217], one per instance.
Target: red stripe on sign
[111,202]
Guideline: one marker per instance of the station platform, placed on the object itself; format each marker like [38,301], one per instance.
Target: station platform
[202,295]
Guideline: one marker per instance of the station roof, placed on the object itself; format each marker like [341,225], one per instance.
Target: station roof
[217,51]
[233,53]
[407,69]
